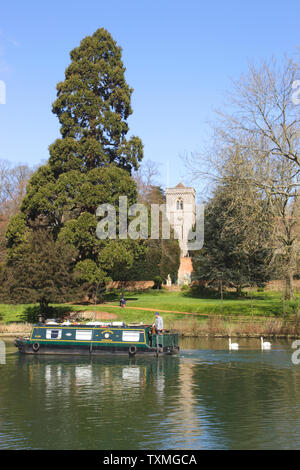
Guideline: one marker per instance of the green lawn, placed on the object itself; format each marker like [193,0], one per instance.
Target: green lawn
[12,313]
[263,304]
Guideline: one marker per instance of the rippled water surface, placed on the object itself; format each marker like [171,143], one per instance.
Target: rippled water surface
[205,398]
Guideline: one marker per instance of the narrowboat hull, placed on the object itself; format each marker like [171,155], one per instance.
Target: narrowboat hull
[86,350]
[84,340]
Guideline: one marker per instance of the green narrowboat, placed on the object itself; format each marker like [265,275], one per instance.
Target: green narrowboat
[96,338]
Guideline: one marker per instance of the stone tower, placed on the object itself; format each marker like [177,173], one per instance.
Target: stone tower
[181,213]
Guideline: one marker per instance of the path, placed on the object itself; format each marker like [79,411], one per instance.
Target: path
[152,309]
[229,317]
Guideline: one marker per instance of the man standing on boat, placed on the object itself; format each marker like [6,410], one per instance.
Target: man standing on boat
[159,324]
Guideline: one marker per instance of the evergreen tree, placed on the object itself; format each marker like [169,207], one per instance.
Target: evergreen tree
[43,273]
[236,245]
[89,165]
[159,257]
[93,104]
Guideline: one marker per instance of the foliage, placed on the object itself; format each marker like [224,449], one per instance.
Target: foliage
[170,259]
[93,105]
[13,182]
[43,273]
[156,257]
[158,280]
[32,312]
[263,123]
[88,166]
[236,249]
[94,277]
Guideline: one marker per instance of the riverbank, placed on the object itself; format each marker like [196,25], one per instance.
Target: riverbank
[178,305]
[215,327]
[191,314]
[15,329]
[240,328]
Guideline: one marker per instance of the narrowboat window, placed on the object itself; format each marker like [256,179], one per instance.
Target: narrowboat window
[53,334]
[84,335]
[133,336]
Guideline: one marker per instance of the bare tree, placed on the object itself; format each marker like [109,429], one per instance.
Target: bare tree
[262,127]
[146,178]
[13,181]
[262,109]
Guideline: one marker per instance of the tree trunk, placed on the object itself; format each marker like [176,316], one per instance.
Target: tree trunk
[221,292]
[288,288]
[43,307]
[239,290]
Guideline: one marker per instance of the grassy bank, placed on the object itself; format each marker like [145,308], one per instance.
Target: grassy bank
[192,327]
[12,329]
[222,327]
[193,315]
[259,304]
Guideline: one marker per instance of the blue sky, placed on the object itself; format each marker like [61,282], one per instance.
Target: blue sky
[180,57]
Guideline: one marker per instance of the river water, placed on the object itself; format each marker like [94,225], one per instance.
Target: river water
[207,397]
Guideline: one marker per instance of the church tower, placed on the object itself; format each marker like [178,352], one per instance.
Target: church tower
[181,213]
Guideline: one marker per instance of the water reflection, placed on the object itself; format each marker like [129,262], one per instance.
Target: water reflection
[205,398]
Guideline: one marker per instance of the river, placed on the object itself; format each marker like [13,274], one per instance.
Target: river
[207,397]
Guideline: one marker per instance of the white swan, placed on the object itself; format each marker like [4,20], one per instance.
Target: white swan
[264,345]
[233,345]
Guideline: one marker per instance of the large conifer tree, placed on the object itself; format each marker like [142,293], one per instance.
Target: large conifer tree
[90,164]
[92,105]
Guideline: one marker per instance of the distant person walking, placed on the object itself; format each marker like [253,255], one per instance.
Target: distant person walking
[122,300]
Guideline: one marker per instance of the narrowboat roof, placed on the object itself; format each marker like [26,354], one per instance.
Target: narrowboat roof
[89,324]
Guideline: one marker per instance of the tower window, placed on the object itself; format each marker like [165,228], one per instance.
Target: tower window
[179,205]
